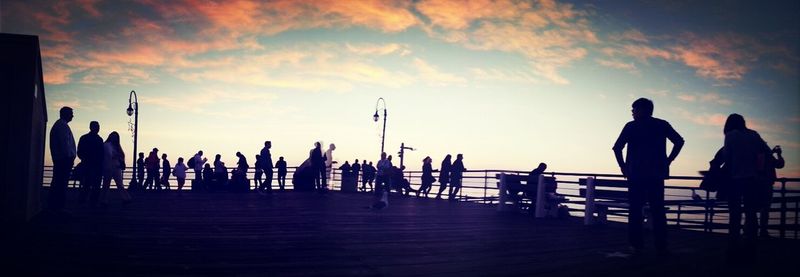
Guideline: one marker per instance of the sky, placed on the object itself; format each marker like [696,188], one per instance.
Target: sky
[506,83]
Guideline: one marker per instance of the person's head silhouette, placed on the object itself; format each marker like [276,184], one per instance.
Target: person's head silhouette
[427,160]
[280,158]
[94,127]
[383,155]
[642,108]
[447,157]
[542,166]
[217,157]
[164,156]
[65,114]
[734,122]
[459,157]
[113,138]
[180,160]
[200,152]
[141,155]
[268,144]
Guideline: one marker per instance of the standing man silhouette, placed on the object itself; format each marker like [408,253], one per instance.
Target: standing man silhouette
[266,162]
[63,152]
[139,173]
[646,166]
[91,153]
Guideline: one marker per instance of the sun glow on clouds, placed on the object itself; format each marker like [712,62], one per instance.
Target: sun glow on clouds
[260,51]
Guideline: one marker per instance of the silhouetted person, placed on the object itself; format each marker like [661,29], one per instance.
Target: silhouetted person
[354,170]
[220,173]
[646,166]
[266,156]
[113,165]
[208,177]
[139,172]
[63,152]
[90,151]
[533,178]
[745,154]
[444,175]
[399,182]
[364,175]
[345,168]
[180,173]
[166,169]
[456,173]
[427,177]
[772,163]
[259,173]
[318,165]
[384,171]
[196,163]
[328,157]
[151,165]
[281,165]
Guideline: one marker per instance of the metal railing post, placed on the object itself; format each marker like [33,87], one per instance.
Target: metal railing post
[783,209]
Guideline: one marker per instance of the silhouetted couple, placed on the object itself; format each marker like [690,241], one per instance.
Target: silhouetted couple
[452,174]
[749,168]
[646,165]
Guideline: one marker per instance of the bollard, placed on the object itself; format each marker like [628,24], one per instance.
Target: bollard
[540,197]
[588,218]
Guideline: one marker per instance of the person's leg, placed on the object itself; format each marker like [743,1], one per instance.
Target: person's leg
[442,188]
[268,174]
[94,181]
[181,182]
[655,193]
[636,197]
[117,176]
[58,185]
[106,187]
[764,213]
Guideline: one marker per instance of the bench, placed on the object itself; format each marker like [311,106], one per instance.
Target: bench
[603,195]
[541,200]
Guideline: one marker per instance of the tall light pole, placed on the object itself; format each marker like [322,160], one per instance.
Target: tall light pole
[375,117]
[133,110]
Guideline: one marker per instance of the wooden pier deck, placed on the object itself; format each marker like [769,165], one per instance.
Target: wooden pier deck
[308,234]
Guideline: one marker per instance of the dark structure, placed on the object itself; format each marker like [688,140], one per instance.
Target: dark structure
[23,120]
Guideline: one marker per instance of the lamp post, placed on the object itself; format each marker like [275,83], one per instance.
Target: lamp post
[133,110]
[402,152]
[375,117]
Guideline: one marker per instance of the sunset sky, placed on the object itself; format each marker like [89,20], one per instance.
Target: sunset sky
[507,83]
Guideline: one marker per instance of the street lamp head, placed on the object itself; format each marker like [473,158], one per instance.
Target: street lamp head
[375,116]
[130,110]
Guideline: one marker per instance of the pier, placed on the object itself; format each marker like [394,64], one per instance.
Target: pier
[307,233]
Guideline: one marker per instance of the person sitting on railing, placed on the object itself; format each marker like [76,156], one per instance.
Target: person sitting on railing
[456,173]
[399,183]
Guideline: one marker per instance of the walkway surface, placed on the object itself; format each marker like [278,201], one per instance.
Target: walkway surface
[303,234]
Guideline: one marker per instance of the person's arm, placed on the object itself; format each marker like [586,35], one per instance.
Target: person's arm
[779,163]
[677,143]
[622,140]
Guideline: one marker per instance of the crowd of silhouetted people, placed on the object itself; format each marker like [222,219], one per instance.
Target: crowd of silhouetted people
[742,173]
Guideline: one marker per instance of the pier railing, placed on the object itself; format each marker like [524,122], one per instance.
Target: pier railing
[684,211]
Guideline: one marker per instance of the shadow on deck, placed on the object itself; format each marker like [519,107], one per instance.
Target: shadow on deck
[295,233]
